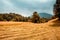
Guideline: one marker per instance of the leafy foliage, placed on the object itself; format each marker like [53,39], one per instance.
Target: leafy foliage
[35,18]
[12,17]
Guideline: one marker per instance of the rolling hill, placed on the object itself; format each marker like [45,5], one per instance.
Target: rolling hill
[45,15]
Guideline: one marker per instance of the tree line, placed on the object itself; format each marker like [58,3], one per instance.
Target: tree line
[35,18]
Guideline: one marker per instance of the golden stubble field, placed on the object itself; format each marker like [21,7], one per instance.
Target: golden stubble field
[30,31]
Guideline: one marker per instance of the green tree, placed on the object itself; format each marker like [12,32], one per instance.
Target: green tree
[35,18]
[57,13]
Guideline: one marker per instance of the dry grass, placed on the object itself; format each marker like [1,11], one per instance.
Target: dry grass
[29,31]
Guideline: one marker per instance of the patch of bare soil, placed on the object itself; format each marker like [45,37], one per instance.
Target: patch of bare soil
[30,31]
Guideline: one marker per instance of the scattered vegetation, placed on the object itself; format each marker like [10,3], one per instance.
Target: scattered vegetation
[35,18]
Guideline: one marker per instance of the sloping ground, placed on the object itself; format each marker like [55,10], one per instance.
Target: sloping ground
[30,31]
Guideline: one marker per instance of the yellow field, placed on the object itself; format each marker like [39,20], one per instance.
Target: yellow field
[29,31]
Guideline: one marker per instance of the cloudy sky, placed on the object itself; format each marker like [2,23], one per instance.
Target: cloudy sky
[27,7]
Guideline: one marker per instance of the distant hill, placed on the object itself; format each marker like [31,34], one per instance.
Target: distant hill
[45,15]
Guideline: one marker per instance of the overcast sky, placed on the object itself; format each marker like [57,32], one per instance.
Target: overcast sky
[27,7]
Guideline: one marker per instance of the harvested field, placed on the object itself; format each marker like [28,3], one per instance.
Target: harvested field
[29,31]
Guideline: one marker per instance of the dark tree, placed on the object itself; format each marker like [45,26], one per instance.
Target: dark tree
[57,9]
[35,18]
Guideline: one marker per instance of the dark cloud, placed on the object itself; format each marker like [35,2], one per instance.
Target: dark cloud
[26,7]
